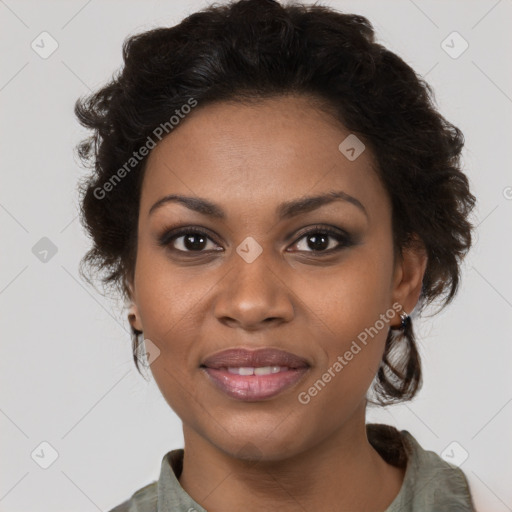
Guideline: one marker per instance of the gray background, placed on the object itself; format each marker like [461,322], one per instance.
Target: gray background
[67,375]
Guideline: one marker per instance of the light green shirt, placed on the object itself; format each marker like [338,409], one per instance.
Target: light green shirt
[430,484]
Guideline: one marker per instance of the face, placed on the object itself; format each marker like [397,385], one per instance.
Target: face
[264,272]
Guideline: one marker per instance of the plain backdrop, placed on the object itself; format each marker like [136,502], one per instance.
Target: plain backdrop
[67,376]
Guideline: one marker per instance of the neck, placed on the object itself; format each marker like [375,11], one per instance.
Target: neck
[342,472]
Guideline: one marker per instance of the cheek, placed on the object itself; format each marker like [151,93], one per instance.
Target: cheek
[354,307]
[353,295]
[166,302]
[163,301]
[165,295]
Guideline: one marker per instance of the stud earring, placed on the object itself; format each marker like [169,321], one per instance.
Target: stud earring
[404,321]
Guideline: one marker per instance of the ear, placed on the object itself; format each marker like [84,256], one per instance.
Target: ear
[134,318]
[133,312]
[410,268]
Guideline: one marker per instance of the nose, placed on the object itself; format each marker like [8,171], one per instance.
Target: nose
[254,295]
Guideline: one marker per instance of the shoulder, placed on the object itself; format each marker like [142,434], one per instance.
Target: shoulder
[430,484]
[162,494]
[437,483]
[143,500]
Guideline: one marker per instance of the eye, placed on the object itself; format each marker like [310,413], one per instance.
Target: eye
[320,239]
[187,240]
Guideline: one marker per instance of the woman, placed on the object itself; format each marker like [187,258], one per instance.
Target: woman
[274,193]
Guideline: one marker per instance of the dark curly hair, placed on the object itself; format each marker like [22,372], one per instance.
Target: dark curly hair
[252,49]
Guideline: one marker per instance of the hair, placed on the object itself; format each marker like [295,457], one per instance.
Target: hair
[255,49]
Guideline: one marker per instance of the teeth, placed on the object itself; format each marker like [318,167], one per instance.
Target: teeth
[264,370]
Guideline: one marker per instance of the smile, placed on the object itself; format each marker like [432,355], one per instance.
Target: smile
[262,370]
[254,384]
[253,375]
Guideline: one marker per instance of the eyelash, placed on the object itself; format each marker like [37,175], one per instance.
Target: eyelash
[344,239]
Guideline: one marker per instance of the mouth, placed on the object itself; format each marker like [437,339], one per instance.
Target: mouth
[254,375]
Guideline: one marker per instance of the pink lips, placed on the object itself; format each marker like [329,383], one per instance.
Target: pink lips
[254,387]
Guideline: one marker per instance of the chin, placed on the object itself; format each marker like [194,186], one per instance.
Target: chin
[264,444]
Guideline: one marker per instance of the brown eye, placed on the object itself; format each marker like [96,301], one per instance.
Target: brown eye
[323,239]
[188,240]
[192,242]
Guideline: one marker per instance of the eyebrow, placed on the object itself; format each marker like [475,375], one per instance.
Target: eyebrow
[285,210]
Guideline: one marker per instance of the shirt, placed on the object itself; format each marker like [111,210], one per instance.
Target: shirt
[430,484]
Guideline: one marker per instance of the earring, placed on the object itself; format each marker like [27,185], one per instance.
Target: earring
[404,321]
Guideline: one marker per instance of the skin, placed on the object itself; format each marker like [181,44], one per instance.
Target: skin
[248,159]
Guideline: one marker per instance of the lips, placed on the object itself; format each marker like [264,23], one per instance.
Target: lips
[239,357]
[254,375]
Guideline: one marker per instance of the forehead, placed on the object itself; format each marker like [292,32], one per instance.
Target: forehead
[260,154]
